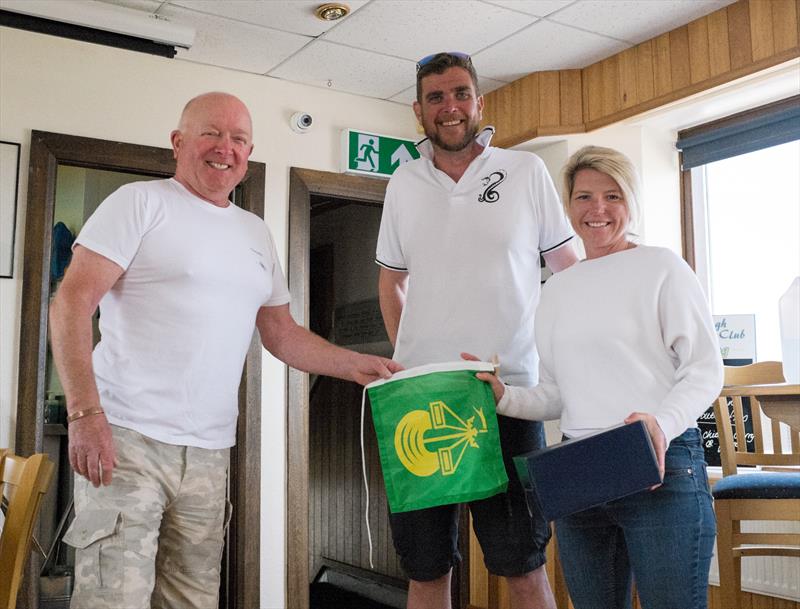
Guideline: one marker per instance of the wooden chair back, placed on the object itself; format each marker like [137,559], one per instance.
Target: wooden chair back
[24,482]
[734,453]
[759,373]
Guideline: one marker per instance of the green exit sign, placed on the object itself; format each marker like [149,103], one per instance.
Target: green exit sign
[374,155]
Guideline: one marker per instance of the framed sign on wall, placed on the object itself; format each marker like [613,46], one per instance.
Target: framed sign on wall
[9,187]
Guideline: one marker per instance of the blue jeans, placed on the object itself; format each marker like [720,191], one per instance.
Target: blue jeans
[662,539]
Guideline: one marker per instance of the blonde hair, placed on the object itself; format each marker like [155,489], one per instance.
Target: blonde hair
[615,165]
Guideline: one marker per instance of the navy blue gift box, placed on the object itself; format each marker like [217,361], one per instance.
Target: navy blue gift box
[581,473]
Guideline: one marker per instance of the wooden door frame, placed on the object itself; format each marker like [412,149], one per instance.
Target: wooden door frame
[47,151]
[302,184]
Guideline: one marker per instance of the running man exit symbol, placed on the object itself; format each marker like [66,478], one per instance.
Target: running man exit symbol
[373,154]
[369,149]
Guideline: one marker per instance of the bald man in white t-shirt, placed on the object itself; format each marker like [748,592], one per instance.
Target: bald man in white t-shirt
[182,278]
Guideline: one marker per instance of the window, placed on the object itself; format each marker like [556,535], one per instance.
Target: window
[742,213]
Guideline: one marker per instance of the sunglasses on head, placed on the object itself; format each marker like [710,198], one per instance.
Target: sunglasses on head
[429,58]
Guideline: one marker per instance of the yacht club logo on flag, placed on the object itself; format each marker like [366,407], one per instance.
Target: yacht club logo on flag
[437,436]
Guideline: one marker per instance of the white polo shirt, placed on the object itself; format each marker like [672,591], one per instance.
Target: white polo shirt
[471,249]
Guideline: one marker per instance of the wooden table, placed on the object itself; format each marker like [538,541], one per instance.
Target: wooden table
[780,401]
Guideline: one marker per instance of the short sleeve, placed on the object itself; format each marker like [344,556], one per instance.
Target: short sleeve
[280,292]
[554,228]
[389,253]
[116,228]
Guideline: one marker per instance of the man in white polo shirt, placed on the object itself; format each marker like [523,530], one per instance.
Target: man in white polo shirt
[182,278]
[461,234]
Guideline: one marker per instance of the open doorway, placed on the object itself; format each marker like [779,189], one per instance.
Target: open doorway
[343,308]
[333,222]
[335,217]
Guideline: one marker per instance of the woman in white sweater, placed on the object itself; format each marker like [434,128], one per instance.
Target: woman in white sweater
[626,335]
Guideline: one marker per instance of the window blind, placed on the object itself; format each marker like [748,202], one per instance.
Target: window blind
[767,126]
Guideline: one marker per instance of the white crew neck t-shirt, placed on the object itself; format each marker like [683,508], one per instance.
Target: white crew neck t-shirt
[177,324]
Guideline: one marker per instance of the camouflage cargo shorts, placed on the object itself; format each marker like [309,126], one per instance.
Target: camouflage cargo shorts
[154,537]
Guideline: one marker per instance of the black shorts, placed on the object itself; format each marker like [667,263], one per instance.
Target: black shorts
[512,538]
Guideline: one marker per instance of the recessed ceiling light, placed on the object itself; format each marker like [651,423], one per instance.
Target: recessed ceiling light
[332,11]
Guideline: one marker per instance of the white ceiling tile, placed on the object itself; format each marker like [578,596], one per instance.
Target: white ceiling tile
[539,8]
[415,29]
[230,44]
[544,46]
[406,97]
[295,16]
[348,69]
[489,84]
[635,20]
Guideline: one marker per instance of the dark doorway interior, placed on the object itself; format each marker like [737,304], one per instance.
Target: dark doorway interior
[353,322]
[343,307]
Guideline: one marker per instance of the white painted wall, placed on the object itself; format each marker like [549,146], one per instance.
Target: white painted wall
[554,154]
[59,85]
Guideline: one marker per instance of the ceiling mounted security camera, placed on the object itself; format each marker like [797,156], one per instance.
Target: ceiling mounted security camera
[301,122]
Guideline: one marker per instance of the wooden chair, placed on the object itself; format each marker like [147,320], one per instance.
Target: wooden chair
[24,483]
[756,494]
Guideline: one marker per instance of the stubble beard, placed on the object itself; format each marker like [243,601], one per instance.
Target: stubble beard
[469,136]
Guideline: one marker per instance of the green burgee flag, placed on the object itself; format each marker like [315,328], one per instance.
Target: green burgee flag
[437,436]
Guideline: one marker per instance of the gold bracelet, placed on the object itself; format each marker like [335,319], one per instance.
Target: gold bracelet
[84,413]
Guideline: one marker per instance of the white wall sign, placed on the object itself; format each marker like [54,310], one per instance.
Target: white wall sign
[737,336]
[9,184]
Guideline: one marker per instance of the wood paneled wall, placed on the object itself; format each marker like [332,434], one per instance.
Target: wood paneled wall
[542,103]
[336,496]
[490,592]
[740,39]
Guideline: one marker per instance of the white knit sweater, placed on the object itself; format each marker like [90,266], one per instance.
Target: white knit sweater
[627,332]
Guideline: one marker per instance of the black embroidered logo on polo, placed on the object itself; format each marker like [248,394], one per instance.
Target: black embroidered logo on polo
[491,182]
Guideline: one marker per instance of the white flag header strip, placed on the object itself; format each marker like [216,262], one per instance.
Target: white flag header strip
[431,368]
